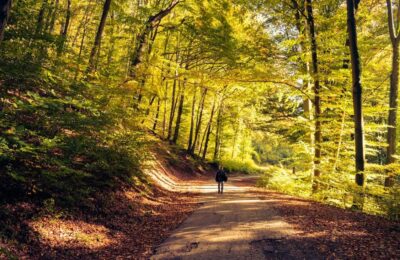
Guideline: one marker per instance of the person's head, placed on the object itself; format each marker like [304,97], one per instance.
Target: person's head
[221,167]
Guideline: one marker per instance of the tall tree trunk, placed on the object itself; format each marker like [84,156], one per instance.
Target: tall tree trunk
[317,98]
[54,17]
[198,121]
[164,123]
[208,131]
[79,60]
[65,28]
[190,142]
[394,83]
[112,43]
[5,7]
[40,20]
[218,133]
[301,25]
[180,110]
[357,92]
[99,35]
[172,111]
[157,114]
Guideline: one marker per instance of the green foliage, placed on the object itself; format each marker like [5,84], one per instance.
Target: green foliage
[247,166]
[283,180]
[60,145]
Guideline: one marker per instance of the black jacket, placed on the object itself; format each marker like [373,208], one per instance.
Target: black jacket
[221,176]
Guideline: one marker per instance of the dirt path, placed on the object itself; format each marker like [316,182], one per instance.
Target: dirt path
[240,224]
[250,223]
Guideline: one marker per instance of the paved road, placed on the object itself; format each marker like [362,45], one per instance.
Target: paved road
[238,224]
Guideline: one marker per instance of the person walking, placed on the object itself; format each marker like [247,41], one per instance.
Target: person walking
[221,177]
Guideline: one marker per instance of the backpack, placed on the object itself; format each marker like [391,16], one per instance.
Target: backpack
[225,177]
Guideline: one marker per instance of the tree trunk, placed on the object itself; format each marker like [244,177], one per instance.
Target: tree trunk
[141,39]
[79,60]
[394,84]
[190,142]
[64,32]
[172,111]
[179,116]
[112,43]
[40,20]
[157,114]
[305,70]
[392,120]
[54,16]
[317,98]
[99,35]
[208,131]
[5,7]
[198,121]
[218,133]
[164,123]
[357,93]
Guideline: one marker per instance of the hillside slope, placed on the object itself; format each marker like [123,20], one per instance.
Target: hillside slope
[126,222]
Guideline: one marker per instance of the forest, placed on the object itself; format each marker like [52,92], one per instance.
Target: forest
[302,93]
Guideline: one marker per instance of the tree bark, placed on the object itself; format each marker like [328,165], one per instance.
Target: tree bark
[179,116]
[64,32]
[218,133]
[394,84]
[317,98]
[208,131]
[164,123]
[40,20]
[157,114]
[198,121]
[190,141]
[99,35]
[172,111]
[54,16]
[5,7]
[357,92]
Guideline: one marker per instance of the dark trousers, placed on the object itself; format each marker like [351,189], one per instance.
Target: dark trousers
[220,187]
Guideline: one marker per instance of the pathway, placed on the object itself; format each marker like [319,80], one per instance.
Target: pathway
[238,224]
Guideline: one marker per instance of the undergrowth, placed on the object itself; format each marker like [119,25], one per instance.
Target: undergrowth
[338,189]
[63,141]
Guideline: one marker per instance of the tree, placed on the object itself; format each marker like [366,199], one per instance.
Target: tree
[99,34]
[317,97]
[65,28]
[5,7]
[357,92]
[394,82]
[149,25]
